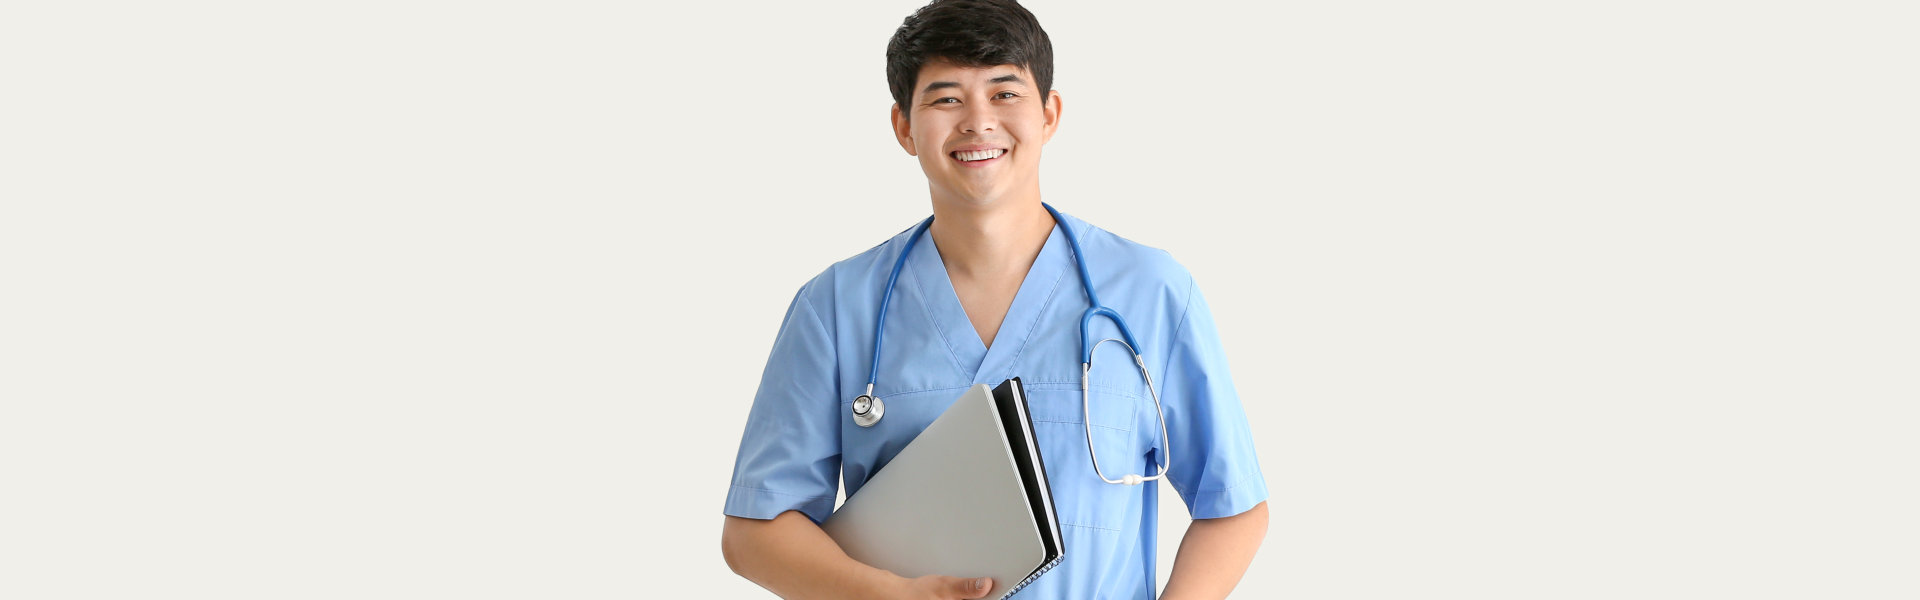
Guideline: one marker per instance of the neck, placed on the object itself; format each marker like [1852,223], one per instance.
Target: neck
[993,240]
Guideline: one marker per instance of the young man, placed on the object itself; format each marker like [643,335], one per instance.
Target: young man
[992,291]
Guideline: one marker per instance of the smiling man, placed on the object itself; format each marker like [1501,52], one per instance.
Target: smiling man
[991,289]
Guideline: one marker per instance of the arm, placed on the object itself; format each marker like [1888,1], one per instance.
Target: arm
[1215,468]
[1215,553]
[791,557]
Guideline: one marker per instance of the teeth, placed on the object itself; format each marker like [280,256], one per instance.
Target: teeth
[979,154]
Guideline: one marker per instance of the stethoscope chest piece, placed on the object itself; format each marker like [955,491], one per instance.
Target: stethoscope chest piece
[867,410]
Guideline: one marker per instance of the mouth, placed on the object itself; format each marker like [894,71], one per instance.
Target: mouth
[978,158]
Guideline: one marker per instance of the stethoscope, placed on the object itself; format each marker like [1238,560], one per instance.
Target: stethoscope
[867,409]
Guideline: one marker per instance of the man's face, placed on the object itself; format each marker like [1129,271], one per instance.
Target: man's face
[977,131]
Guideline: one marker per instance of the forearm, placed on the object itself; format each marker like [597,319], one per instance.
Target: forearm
[1214,554]
[791,557]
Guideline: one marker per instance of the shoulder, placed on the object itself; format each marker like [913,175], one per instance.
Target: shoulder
[1134,266]
[855,274]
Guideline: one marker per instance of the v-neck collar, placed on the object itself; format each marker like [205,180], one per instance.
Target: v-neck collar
[974,359]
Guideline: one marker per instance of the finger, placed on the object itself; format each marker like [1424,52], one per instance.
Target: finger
[972,588]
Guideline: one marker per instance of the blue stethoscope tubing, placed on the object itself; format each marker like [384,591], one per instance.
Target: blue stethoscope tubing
[867,409]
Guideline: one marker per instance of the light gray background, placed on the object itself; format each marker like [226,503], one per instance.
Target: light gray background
[410,299]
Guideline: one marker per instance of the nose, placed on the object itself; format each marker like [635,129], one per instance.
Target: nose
[978,120]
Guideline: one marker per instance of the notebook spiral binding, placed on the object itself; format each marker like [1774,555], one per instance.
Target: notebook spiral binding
[1036,575]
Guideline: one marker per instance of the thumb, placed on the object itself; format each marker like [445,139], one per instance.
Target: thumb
[972,588]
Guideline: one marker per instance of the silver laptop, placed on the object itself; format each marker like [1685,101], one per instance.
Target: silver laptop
[967,498]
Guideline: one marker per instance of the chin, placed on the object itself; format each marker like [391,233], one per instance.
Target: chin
[977,196]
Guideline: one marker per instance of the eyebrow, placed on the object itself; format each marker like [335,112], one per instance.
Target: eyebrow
[939,85]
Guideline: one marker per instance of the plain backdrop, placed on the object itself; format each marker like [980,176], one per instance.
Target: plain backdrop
[411,299]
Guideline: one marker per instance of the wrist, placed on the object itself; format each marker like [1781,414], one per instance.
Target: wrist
[882,584]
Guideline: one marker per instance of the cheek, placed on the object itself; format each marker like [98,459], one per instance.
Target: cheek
[1029,150]
[927,148]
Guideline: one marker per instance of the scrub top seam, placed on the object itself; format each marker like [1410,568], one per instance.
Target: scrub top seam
[830,339]
[1059,422]
[1173,344]
[1074,386]
[1180,327]
[1238,483]
[777,492]
[919,391]
[1026,341]
[926,308]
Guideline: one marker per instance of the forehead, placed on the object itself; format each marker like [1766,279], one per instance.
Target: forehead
[941,71]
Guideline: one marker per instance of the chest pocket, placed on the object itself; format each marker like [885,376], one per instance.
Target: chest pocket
[1080,497]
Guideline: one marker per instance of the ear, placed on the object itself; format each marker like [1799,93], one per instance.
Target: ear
[903,131]
[1052,109]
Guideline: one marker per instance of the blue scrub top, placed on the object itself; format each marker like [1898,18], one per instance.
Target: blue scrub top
[800,439]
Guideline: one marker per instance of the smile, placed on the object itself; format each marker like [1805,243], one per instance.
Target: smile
[975,158]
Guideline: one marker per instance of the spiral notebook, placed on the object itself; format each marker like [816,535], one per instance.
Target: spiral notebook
[968,497]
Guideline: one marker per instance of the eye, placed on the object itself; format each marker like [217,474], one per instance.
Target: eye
[944,100]
[1006,95]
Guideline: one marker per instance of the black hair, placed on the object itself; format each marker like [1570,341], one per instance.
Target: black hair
[969,33]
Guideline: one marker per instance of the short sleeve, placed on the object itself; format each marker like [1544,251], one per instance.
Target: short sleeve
[1214,467]
[790,452]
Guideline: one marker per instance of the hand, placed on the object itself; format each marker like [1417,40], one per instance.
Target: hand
[942,587]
